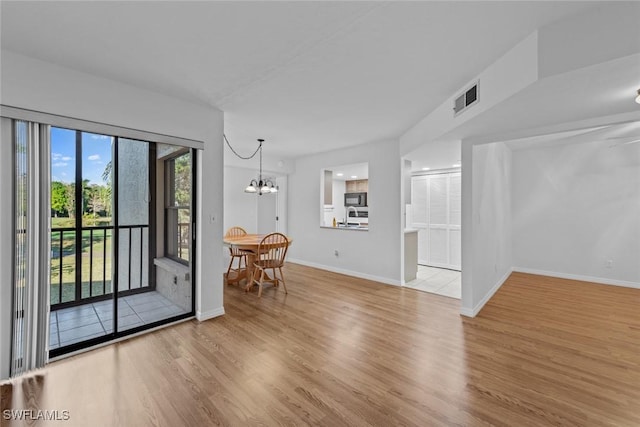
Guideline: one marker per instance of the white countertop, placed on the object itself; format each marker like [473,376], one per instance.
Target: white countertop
[346,228]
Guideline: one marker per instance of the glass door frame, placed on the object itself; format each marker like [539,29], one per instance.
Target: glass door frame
[152,224]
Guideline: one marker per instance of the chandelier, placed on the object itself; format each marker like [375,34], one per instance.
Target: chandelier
[261,185]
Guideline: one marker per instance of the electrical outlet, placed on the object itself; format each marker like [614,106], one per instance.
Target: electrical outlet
[608,263]
[336,253]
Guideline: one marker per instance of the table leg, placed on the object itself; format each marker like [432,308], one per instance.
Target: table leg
[251,258]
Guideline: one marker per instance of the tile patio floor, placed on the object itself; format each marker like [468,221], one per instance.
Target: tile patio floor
[437,281]
[75,324]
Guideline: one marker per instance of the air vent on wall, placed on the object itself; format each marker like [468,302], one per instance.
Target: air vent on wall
[465,100]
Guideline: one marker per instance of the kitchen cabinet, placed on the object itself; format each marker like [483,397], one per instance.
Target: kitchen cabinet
[357,186]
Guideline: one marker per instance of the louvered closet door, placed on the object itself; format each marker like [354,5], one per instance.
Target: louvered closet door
[437,196]
[436,213]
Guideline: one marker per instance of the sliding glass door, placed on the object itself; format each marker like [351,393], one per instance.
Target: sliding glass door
[102,236]
[81,236]
[108,275]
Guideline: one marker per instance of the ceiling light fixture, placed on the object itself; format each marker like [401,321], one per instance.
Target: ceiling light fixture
[261,185]
[425,169]
[638,97]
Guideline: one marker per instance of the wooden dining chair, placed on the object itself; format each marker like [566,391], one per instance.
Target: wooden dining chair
[235,252]
[272,251]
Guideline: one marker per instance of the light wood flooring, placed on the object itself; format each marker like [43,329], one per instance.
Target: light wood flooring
[344,351]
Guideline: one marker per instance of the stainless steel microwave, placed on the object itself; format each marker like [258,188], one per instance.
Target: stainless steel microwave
[355,199]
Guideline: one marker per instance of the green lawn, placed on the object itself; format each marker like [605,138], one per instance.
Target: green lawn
[87,221]
[100,267]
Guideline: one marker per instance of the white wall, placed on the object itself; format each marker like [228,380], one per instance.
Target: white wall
[486,223]
[372,254]
[209,288]
[240,208]
[33,84]
[254,213]
[574,208]
[36,85]
[272,165]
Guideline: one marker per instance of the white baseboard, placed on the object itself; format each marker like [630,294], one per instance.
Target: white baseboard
[600,280]
[467,312]
[216,312]
[473,312]
[384,280]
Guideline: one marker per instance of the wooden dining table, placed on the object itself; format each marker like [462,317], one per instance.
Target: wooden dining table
[248,243]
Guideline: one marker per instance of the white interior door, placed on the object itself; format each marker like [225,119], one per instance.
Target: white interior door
[267,211]
[436,213]
[281,205]
[437,219]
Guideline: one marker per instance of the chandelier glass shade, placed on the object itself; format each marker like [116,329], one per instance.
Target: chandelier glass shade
[261,187]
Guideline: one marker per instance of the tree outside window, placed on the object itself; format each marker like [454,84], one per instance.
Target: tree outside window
[178,209]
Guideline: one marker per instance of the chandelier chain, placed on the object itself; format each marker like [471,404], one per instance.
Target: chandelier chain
[236,153]
[259,186]
[260,148]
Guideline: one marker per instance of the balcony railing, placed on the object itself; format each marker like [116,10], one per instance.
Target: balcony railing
[94,280]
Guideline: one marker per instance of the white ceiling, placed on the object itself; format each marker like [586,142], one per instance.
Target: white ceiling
[613,135]
[441,154]
[305,76]
[600,90]
[348,172]
[597,91]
